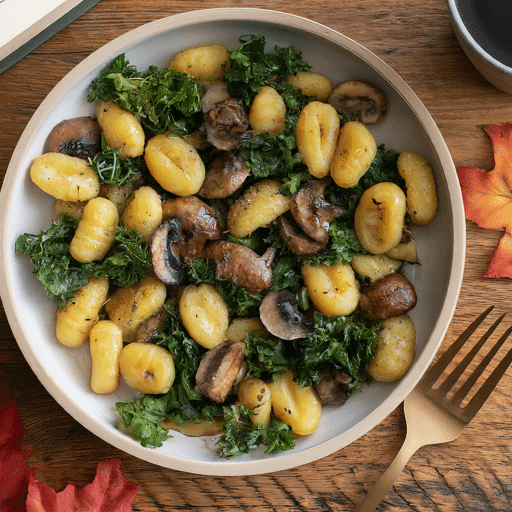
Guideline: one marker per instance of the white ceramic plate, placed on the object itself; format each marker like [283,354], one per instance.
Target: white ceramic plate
[408,126]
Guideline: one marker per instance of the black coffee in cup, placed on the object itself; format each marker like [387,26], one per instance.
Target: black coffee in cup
[490,24]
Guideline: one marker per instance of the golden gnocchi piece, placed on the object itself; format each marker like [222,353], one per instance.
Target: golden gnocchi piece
[316,133]
[147,368]
[77,317]
[267,111]
[295,405]
[374,266]
[73,208]
[254,394]
[65,177]
[333,289]
[204,314]
[121,129]
[96,231]
[311,84]
[143,212]
[239,328]
[128,307]
[175,164]
[422,200]
[120,196]
[406,251]
[105,345]
[395,349]
[196,428]
[260,205]
[202,62]
[379,217]
[355,151]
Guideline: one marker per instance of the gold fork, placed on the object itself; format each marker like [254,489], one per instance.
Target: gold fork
[433,415]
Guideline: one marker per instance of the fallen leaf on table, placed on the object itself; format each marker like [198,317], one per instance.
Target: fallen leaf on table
[14,473]
[487,197]
[108,492]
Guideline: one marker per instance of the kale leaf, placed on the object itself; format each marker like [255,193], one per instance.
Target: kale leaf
[141,417]
[161,99]
[343,244]
[59,273]
[251,68]
[62,276]
[127,262]
[242,435]
[266,357]
[341,344]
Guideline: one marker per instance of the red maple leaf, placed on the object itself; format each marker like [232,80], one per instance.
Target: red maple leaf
[487,197]
[108,492]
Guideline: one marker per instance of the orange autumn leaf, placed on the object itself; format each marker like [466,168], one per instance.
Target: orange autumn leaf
[487,197]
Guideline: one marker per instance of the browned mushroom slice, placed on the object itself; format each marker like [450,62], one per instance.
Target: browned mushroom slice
[150,327]
[214,92]
[166,264]
[198,222]
[241,265]
[226,175]
[358,101]
[391,295]
[332,388]
[225,123]
[219,368]
[312,212]
[297,241]
[79,137]
[279,313]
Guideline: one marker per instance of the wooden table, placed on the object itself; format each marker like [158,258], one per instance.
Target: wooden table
[473,473]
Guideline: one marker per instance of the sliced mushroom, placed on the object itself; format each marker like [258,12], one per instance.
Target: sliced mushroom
[198,223]
[279,313]
[389,296]
[150,327]
[312,212]
[358,101]
[225,123]
[219,369]
[226,175]
[166,264]
[332,388]
[214,92]
[297,241]
[79,137]
[241,265]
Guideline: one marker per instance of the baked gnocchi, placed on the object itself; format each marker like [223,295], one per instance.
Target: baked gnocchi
[271,229]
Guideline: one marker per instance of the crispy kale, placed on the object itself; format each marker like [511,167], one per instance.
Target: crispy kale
[161,99]
[62,276]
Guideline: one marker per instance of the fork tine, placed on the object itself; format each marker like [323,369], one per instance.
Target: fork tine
[486,389]
[466,387]
[452,378]
[439,366]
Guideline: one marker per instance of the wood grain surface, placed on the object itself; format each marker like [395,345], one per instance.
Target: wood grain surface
[473,473]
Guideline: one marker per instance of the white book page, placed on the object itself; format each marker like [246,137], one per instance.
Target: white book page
[18,17]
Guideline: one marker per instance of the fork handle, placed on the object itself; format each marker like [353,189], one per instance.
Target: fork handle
[383,485]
